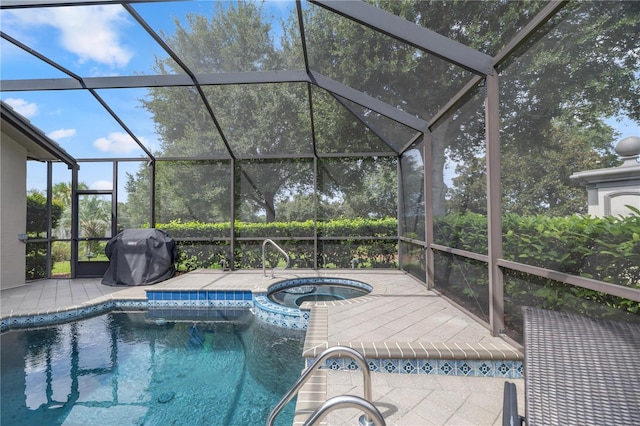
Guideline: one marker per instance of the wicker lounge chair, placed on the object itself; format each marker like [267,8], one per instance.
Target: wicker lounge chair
[578,371]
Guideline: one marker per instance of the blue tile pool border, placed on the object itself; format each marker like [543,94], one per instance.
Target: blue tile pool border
[74,314]
[201,298]
[295,282]
[237,299]
[278,315]
[263,308]
[506,369]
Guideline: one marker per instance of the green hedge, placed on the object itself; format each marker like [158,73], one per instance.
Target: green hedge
[36,252]
[606,249]
[339,253]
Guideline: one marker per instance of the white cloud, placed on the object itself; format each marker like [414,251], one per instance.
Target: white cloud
[101,184]
[120,143]
[89,32]
[27,109]
[62,133]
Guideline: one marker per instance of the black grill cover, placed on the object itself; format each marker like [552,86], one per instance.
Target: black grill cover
[140,257]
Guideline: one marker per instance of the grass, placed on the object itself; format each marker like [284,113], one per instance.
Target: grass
[61,268]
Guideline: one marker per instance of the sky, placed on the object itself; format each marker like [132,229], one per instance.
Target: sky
[102,40]
[92,41]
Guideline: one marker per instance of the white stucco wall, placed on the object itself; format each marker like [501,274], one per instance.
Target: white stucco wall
[13,211]
[612,198]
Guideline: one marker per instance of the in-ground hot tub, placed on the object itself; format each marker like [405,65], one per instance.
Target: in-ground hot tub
[292,293]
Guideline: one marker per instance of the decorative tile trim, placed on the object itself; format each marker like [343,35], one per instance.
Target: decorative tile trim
[471,368]
[201,298]
[281,316]
[222,299]
[266,311]
[459,359]
[295,282]
[73,314]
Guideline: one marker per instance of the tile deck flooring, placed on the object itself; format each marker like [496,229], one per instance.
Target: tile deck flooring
[399,312]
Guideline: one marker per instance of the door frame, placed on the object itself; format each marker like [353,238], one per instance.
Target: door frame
[88,269]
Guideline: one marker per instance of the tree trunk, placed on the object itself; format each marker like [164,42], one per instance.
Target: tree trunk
[269,206]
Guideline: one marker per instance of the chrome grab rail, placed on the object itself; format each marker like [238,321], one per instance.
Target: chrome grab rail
[264,263]
[371,417]
[336,350]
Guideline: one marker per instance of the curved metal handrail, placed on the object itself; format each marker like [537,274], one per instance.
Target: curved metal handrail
[336,350]
[371,417]
[264,263]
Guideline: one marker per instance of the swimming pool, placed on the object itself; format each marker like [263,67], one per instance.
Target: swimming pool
[130,368]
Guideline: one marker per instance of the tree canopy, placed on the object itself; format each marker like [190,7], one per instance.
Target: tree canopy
[555,94]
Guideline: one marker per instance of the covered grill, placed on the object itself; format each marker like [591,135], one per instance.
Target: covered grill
[140,257]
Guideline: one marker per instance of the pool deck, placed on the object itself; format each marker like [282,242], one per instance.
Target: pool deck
[400,319]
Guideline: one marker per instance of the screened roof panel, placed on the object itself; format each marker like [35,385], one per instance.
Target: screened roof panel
[472,23]
[394,134]
[183,123]
[223,36]
[339,130]
[374,63]
[127,104]
[62,118]
[95,40]
[374,70]
[263,119]
[17,63]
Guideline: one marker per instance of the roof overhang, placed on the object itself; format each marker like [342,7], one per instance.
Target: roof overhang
[38,145]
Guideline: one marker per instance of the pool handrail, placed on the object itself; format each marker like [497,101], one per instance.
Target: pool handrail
[264,262]
[372,416]
[335,350]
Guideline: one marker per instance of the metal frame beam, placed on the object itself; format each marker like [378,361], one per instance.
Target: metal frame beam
[410,33]
[24,4]
[494,204]
[261,77]
[369,102]
[548,12]
[143,81]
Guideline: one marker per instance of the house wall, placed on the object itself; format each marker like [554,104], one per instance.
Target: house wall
[612,198]
[13,212]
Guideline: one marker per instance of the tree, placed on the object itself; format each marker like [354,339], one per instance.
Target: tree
[37,213]
[94,220]
[258,120]
[297,208]
[263,183]
[61,192]
[364,187]
[375,194]
[536,182]
[581,68]
[37,226]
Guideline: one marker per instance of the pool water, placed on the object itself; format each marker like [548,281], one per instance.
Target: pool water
[130,369]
